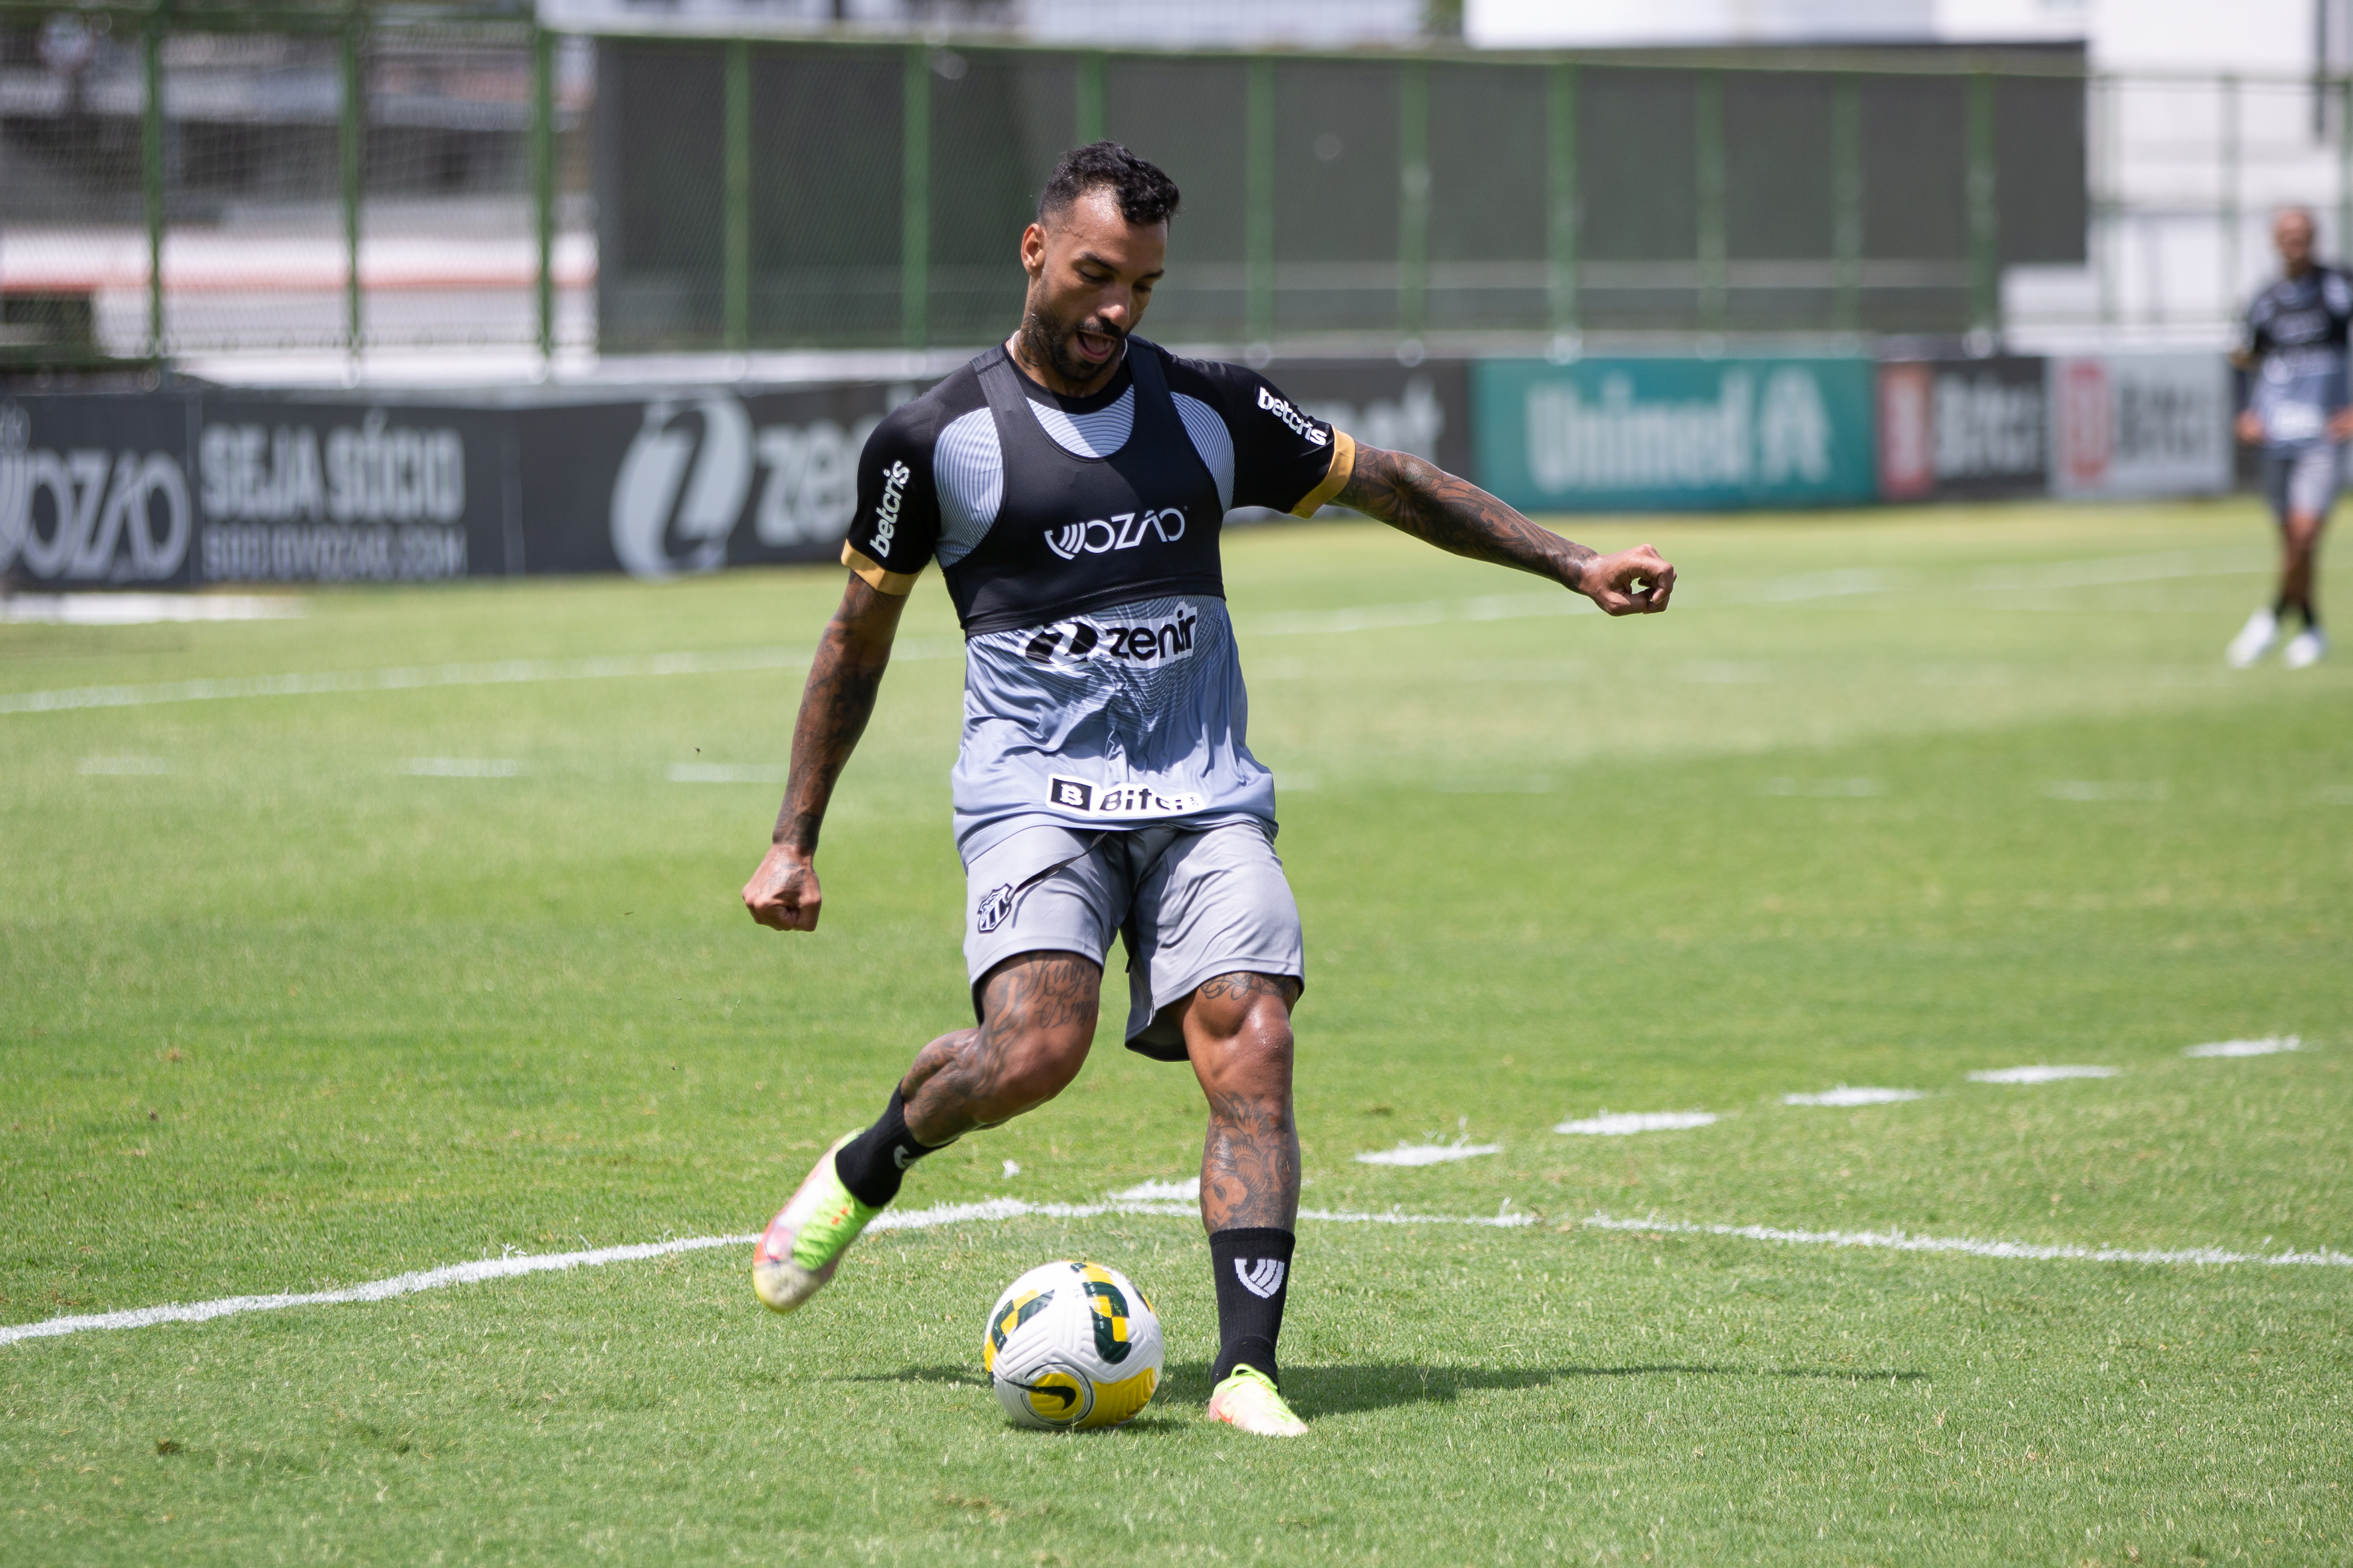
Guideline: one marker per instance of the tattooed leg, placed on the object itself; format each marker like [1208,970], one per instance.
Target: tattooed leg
[1039,1013]
[1238,1033]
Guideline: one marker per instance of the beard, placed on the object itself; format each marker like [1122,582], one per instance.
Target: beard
[1048,340]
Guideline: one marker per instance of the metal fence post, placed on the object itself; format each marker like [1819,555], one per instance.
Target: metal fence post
[1985,263]
[1259,219]
[542,183]
[1846,204]
[2344,169]
[2229,110]
[1709,217]
[151,155]
[1091,98]
[2106,159]
[1413,197]
[736,229]
[352,134]
[1560,169]
[915,199]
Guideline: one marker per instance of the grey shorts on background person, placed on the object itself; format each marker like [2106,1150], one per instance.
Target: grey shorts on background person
[2302,479]
[1193,905]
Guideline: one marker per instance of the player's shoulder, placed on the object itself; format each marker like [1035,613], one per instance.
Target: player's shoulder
[916,425]
[1239,393]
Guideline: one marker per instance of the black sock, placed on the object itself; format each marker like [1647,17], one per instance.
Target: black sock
[872,1164]
[1253,1273]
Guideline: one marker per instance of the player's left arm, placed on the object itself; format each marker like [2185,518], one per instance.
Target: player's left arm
[1419,497]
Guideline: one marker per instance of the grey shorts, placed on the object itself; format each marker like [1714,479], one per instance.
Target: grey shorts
[2301,478]
[1192,904]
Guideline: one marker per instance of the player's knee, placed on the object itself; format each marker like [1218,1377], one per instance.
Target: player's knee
[1244,1046]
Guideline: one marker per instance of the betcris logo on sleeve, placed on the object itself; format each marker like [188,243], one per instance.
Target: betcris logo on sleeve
[886,510]
[1297,423]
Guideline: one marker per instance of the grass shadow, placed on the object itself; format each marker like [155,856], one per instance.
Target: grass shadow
[1350,1387]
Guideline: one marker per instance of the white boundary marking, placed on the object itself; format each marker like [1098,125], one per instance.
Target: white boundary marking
[548,1262]
[2040,1074]
[1844,1095]
[1900,1241]
[506,1267]
[1625,1123]
[1427,1153]
[2270,1044]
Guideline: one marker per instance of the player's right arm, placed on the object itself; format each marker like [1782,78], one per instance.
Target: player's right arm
[843,678]
[891,535]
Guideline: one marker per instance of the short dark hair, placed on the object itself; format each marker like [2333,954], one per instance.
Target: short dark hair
[1145,194]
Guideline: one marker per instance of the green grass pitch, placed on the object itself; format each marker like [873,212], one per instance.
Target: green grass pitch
[1885,800]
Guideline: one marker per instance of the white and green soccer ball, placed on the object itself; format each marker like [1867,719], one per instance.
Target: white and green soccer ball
[1072,1345]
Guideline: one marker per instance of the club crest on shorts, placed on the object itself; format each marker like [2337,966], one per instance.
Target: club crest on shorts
[996,907]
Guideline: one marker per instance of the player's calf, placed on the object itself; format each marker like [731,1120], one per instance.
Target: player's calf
[1040,1018]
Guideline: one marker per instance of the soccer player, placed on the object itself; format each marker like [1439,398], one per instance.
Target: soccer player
[2293,350]
[1070,484]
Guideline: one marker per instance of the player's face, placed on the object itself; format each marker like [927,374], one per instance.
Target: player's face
[1091,276]
[2293,235]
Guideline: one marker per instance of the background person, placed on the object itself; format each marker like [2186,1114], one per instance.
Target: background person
[2293,350]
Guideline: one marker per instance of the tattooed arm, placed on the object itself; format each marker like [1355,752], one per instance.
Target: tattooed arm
[835,705]
[1423,500]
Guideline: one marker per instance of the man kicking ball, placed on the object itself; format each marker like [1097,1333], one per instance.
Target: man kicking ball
[1071,484]
[2293,351]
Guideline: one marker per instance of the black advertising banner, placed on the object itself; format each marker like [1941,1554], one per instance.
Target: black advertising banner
[296,490]
[693,480]
[94,491]
[1954,429]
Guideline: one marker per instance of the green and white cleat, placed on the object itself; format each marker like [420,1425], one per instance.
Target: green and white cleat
[1248,1401]
[803,1245]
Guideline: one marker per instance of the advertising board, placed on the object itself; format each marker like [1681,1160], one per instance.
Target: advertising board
[1961,429]
[1702,435]
[2152,423]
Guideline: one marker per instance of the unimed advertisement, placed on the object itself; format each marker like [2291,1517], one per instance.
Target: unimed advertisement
[1605,435]
[2140,424]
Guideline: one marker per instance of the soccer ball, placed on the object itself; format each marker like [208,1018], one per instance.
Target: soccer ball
[1072,1345]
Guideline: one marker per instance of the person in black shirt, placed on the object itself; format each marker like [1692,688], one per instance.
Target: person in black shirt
[2294,353]
[1071,484]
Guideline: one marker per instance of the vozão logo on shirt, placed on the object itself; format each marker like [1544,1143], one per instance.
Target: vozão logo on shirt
[1122,532]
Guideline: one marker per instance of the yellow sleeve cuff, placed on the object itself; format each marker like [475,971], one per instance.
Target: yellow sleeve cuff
[1336,478]
[897,585]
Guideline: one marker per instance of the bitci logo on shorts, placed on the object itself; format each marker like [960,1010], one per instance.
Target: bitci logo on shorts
[1121,800]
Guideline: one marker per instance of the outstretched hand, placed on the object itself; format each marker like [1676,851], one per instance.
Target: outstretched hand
[783,894]
[1632,582]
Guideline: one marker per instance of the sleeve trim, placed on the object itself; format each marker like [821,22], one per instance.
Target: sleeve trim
[883,580]
[1336,478]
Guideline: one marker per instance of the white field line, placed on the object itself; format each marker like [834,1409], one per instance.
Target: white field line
[1843,1096]
[2040,1074]
[1428,1153]
[1804,589]
[2270,1044]
[504,672]
[1901,1241]
[489,1268]
[143,609]
[1628,1123]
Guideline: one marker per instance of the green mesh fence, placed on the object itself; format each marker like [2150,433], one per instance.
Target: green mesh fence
[881,191]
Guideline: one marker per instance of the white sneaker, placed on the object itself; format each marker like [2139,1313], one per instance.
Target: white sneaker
[2254,639]
[2305,649]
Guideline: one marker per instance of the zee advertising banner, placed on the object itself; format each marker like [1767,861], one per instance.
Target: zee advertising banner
[1675,434]
[1962,429]
[687,482]
[2140,424]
